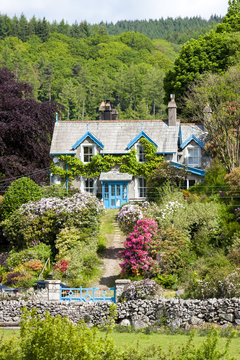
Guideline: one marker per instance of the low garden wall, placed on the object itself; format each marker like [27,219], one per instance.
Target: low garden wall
[138,313]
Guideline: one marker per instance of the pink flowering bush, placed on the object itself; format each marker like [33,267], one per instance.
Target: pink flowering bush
[136,257]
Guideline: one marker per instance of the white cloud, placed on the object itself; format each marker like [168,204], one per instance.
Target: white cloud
[95,11]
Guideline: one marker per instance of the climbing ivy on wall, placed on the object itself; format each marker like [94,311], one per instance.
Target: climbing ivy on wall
[73,167]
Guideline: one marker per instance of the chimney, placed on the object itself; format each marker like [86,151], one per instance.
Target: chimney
[106,112]
[172,111]
[207,112]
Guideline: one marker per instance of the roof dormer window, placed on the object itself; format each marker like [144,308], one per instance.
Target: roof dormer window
[194,156]
[140,153]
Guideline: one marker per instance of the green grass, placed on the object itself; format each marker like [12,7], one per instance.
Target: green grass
[106,229]
[166,341]
[107,221]
[140,340]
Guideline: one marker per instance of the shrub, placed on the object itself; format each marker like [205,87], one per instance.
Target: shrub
[136,259]
[128,217]
[61,266]
[175,252]
[43,220]
[83,266]
[143,289]
[19,192]
[219,285]
[70,237]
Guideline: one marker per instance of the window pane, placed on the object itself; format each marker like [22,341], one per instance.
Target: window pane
[113,202]
[89,185]
[142,187]
[106,190]
[87,153]
[118,190]
[124,191]
[112,190]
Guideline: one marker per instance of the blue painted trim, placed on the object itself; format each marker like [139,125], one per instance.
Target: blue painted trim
[86,294]
[165,153]
[56,117]
[192,137]
[141,134]
[58,154]
[180,134]
[88,134]
[188,168]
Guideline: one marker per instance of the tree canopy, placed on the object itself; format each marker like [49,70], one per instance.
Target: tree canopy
[25,130]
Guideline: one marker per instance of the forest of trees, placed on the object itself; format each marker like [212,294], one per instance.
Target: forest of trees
[174,30]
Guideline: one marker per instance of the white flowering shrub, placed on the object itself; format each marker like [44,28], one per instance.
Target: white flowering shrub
[44,219]
[217,286]
[128,217]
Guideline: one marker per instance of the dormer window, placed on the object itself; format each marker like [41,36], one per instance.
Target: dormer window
[194,156]
[87,153]
[140,153]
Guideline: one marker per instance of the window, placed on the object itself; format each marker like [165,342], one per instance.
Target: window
[194,156]
[89,185]
[140,153]
[168,157]
[87,153]
[141,187]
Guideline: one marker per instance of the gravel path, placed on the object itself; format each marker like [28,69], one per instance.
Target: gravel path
[112,258]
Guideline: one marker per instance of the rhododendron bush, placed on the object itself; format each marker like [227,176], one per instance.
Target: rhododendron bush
[136,256]
[44,219]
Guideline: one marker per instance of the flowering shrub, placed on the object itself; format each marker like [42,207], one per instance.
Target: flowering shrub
[43,220]
[128,217]
[34,265]
[217,286]
[61,266]
[136,259]
[143,289]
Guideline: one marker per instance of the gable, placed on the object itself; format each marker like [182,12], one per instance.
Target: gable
[189,140]
[138,137]
[84,137]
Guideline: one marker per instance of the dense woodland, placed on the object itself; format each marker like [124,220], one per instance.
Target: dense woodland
[81,64]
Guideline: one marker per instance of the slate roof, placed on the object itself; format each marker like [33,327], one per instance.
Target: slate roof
[115,176]
[197,130]
[115,135]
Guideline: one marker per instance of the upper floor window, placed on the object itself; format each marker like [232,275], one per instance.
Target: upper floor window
[87,153]
[140,153]
[194,156]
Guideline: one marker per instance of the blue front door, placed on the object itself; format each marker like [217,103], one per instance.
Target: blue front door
[115,194]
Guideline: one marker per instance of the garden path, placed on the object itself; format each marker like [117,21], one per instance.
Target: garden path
[111,258]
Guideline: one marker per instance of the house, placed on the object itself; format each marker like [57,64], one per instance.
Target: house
[180,143]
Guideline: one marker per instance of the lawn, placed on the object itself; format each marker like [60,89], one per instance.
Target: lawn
[166,341]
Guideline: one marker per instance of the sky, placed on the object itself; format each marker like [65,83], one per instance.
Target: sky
[95,11]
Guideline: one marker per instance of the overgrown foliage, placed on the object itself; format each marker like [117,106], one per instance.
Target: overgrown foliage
[19,192]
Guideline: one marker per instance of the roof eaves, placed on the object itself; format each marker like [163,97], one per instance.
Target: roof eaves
[88,134]
[189,168]
[141,134]
[188,140]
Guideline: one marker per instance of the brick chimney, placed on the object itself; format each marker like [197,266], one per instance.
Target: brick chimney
[106,112]
[172,111]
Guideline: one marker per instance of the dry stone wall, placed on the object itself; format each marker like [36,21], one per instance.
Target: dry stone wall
[138,313]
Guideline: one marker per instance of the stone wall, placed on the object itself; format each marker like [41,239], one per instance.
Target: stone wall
[139,313]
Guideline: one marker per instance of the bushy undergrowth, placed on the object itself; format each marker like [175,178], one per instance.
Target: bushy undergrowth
[54,338]
[43,220]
